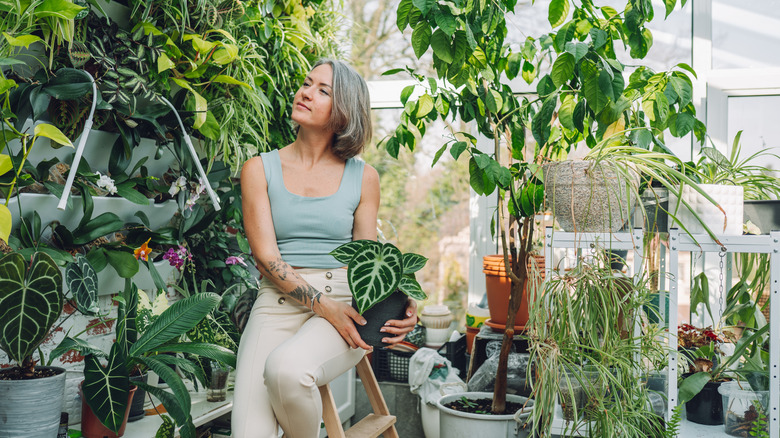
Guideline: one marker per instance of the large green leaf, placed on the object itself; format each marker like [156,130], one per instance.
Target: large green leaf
[106,388]
[82,282]
[211,351]
[77,344]
[692,385]
[374,273]
[557,12]
[178,319]
[6,222]
[412,288]
[413,262]
[123,262]
[30,302]
[563,68]
[345,252]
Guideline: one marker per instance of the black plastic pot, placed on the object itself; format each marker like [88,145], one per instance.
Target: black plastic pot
[707,406]
[391,308]
[764,214]
[137,406]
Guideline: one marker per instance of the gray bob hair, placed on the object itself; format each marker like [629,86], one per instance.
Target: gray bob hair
[350,116]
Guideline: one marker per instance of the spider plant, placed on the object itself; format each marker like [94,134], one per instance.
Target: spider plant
[582,334]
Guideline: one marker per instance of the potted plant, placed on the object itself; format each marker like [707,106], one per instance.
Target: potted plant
[105,388]
[31,302]
[583,98]
[381,278]
[699,389]
[587,354]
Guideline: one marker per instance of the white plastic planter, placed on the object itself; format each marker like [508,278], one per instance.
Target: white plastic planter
[729,197]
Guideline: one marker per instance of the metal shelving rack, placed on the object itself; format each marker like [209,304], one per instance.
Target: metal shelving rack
[680,242]
[761,244]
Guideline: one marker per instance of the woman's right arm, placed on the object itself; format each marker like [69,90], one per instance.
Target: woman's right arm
[259,228]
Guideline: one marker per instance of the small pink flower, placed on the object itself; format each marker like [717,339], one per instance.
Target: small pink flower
[234,260]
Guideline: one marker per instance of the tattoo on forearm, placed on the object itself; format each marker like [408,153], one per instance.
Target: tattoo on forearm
[279,268]
[304,294]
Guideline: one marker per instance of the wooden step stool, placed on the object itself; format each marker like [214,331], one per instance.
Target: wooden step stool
[378,423]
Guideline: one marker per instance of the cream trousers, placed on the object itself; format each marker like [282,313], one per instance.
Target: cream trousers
[285,353]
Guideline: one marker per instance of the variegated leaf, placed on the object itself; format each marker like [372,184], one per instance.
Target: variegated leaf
[413,262]
[345,252]
[374,273]
[30,302]
[106,388]
[82,282]
[412,288]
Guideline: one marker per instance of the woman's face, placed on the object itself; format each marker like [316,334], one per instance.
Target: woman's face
[313,101]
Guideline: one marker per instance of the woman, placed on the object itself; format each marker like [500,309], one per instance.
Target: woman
[300,203]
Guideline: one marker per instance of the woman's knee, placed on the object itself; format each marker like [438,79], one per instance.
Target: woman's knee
[286,372]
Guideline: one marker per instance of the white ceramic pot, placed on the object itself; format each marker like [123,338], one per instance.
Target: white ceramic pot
[456,424]
[729,197]
[31,408]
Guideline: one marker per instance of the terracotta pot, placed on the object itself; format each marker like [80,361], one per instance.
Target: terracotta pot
[471,332]
[499,287]
[91,427]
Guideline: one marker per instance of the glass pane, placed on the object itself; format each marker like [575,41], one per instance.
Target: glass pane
[756,117]
[744,34]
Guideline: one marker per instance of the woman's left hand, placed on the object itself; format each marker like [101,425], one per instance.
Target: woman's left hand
[398,328]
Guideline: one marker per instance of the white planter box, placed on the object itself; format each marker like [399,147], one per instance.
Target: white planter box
[729,197]
[46,205]
[96,151]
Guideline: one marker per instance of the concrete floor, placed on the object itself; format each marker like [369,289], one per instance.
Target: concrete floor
[401,403]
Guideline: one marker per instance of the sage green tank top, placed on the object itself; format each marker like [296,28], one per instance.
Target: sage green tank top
[309,228]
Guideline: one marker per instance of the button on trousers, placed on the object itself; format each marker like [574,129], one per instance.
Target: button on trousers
[285,353]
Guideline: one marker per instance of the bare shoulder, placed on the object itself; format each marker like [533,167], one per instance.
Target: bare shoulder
[252,171]
[370,176]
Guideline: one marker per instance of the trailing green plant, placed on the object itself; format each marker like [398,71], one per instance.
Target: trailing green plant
[376,270]
[583,332]
[106,388]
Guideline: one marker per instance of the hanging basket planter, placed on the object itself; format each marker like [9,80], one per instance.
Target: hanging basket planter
[590,196]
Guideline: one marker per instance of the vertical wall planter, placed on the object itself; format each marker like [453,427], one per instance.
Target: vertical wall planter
[31,408]
[97,151]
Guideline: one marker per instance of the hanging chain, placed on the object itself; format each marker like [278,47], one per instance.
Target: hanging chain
[722,255]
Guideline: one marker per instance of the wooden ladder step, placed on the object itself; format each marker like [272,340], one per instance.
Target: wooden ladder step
[371,426]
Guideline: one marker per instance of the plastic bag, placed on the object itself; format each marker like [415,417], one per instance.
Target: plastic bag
[483,380]
[432,376]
